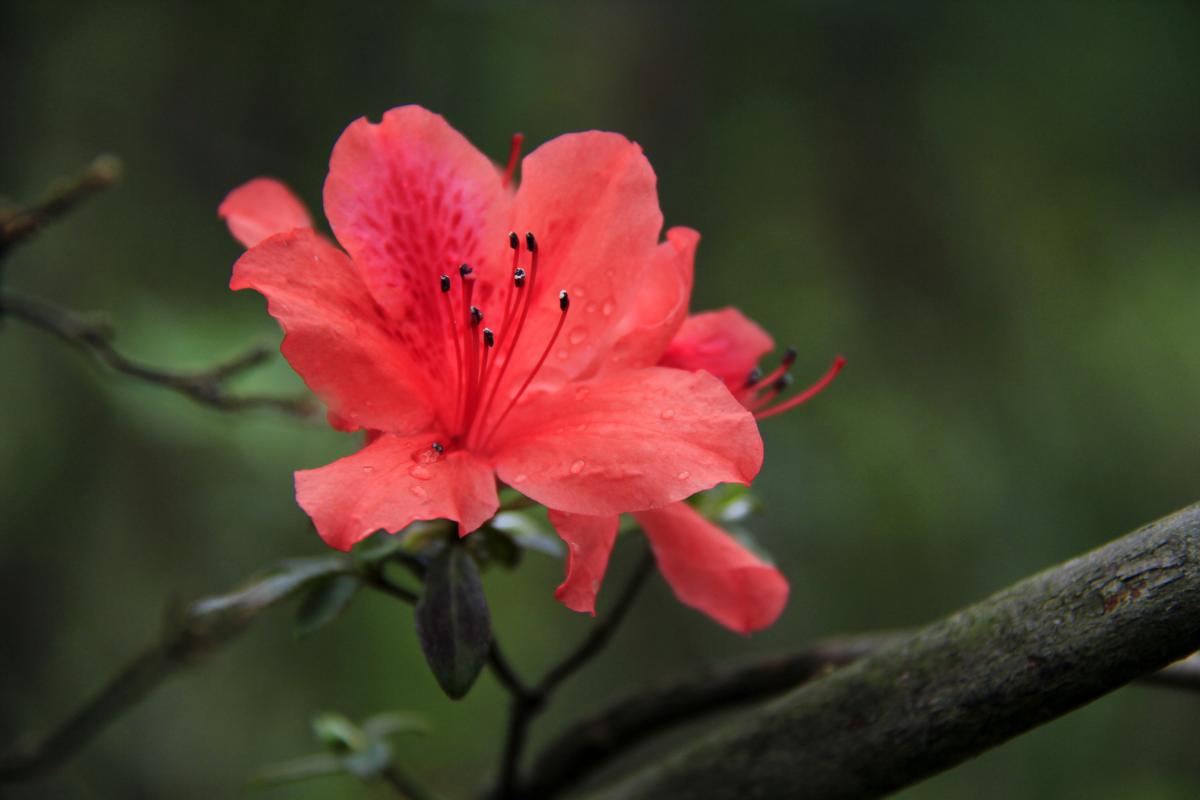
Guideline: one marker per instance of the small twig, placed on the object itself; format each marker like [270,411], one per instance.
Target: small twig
[201,628]
[21,225]
[528,703]
[206,387]
[404,785]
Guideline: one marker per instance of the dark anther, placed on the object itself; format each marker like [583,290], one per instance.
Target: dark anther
[789,357]
[519,277]
[754,377]
[782,382]
[489,338]
[476,316]
[464,270]
[445,283]
[563,300]
[530,243]
[438,447]
[514,241]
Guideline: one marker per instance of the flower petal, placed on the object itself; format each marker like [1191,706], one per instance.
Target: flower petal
[589,544]
[336,336]
[628,441]
[711,572]
[724,343]
[591,200]
[262,208]
[410,199]
[661,305]
[390,483]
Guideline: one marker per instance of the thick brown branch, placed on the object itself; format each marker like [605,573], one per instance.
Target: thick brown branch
[206,387]
[962,685]
[21,225]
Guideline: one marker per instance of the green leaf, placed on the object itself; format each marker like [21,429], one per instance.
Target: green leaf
[324,603]
[368,763]
[526,532]
[298,769]
[390,723]
[338,733]
[453,624]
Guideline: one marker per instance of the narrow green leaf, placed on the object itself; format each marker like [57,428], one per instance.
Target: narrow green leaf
[338,733]
[453,624]
[298,769]
[324,603]
[528,534]
[367,764]
[390,723]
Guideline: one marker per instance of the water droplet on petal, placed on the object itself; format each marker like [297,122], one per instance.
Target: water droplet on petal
[581,426]
[368,470]
[419,491]
[564,354]
[611,273]
[577,292]
[577,467]
[578,335]
[591,307]
[581,392]
[609,307]
[667,413]
[683,476]
[419,472]
[520,478]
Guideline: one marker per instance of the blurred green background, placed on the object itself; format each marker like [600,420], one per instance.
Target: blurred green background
[992,211]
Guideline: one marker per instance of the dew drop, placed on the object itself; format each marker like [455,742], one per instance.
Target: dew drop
[683,476]
[368,470]
[564,354]
[520,478]
[667,413]
[609,307]
[578,335]
[581,392]
[581,426]
[419,472]
[611,273]
[591,307]
[577,467]
[577,292]
[419,491]
[427,455]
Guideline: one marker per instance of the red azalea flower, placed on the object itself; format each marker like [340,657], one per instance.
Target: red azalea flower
[467,352]
[706,567]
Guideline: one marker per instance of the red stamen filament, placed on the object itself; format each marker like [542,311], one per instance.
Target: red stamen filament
[532,373]
[524,298]
[514,158]
[807,394]
[458,356]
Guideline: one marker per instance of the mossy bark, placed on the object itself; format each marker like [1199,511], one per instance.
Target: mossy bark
[960,686]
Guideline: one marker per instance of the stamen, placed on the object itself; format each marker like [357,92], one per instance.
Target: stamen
[524,298]
[807,394]
[564,302]
[489,338]
[458,354]
[781,383]
[438,447]
[789,358]
[476,316]
[754,377]
[514,158]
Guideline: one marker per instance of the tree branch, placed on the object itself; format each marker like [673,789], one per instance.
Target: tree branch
[103,172]
[190,634]
[960,686]
[527,704]
[206,387]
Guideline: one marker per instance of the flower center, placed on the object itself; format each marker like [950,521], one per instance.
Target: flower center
[482,355]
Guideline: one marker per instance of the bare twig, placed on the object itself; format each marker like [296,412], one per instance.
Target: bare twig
[190,635]
[954,689]
[23,224]
[206,387]
[527,704]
